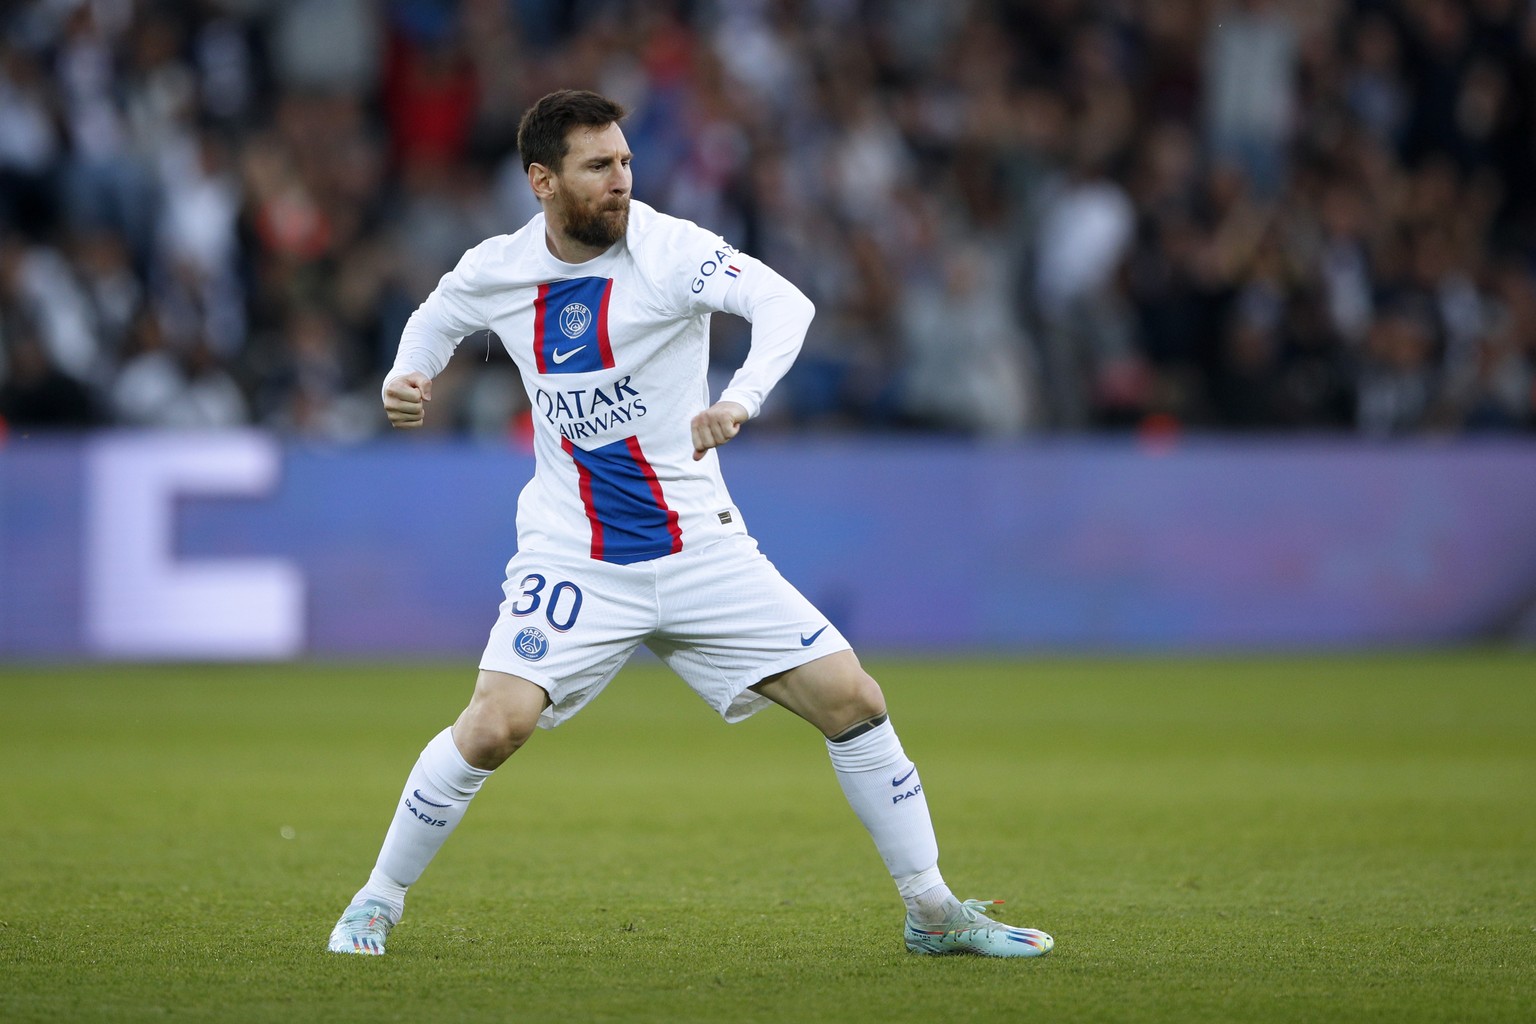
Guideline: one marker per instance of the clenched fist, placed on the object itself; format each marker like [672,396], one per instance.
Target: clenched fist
[405,400]
[715,426]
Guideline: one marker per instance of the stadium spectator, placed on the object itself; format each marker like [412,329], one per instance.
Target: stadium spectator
[37,394]
[30,147]
[966,362]
[1251,66]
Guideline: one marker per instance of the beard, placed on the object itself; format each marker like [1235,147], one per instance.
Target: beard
[599,226]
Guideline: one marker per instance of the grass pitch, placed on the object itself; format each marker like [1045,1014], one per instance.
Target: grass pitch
[1342,838]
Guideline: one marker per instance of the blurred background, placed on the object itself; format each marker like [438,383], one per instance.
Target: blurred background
[1287,248]
[1231,214]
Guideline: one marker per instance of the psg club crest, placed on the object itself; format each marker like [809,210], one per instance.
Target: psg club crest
[531,643]
[574,320]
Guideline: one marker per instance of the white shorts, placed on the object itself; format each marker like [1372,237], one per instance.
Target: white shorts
[720,616]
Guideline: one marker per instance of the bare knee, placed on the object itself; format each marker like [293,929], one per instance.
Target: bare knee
[500,717]
[864,703]
[834,693]
[859,698]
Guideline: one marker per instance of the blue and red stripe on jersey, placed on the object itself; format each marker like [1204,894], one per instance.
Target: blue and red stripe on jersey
[623,501]
[570,326]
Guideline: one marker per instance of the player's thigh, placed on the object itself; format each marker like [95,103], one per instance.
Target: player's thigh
[730,620]
[568,626]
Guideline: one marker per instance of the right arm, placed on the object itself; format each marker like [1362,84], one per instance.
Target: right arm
[405,395]
[430,337]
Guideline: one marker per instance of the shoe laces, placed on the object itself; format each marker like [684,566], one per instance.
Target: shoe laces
[371,917]
[974,917]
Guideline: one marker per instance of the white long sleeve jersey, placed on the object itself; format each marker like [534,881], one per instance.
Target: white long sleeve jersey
[613,353]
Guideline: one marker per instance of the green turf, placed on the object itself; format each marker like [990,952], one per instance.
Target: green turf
[1344,838]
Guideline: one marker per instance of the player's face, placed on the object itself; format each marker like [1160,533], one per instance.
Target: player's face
[592,189]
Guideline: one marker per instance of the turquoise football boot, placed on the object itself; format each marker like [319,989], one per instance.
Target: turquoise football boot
[969,930]
[362,929]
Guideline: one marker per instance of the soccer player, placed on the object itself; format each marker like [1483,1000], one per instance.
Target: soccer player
[626,533]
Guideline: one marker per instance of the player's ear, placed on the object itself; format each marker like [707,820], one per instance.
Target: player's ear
[542,180]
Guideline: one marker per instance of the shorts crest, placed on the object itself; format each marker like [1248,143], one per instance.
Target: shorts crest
[531,643]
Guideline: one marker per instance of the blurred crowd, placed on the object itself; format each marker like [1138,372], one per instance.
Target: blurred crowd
[1013,215]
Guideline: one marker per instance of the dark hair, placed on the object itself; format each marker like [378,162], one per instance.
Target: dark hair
[542,131]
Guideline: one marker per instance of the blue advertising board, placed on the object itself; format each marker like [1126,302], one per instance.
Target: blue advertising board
[241,545]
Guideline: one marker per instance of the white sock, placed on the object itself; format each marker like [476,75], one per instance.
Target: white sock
[885,791]
[436,794]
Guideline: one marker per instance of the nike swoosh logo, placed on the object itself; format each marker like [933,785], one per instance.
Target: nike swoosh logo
[433,803]
[904,778]
[806,641]
[561,357]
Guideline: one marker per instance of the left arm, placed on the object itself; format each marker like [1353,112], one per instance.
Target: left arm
[717,425]
[780,314]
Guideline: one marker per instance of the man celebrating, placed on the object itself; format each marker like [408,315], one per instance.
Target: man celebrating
[626,533]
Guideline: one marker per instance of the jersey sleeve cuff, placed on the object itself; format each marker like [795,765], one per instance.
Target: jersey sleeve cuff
[743,399]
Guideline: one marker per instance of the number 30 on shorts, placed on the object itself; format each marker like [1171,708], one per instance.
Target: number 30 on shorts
[561,606]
